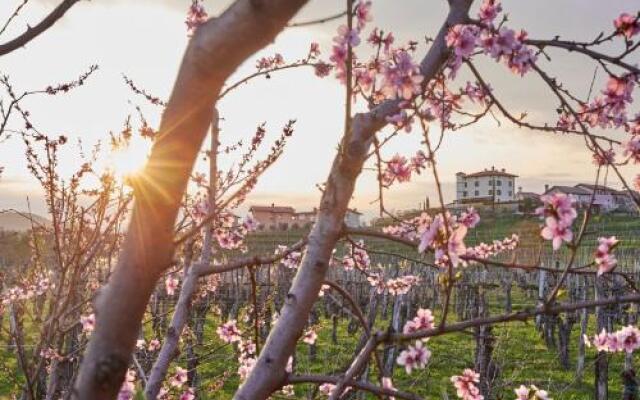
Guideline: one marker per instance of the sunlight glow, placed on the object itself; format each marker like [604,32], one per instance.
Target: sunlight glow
[127,162]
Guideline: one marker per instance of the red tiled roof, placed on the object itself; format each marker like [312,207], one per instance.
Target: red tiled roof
[568,190]
[600,188]
[490,173]
[273,209]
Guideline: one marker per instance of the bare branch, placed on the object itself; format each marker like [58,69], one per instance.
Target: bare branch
[32,32]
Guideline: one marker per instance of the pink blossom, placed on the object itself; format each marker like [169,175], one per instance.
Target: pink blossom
[326,388]
[556,232]
[376,281]
[154,344]
[401,76]
[314,49]
[521,61]
[422,321]
[356,256]
[292,259]
[419,162]
[229,332]
[364,78]
[559,210]
[617,94]
[338,56]
[387,383]
[499,45]
[601,341]
[310,337]
[607,157]
[465,385]
[629,338]
[322,69]
[522,393]
[401,285]
[171,284]
[324,288]
[476,92]
[462,38]
[189,394]
[455,246]
[605,260]
[376,38]
[484,250]
[88,322]
[267,63]
[469,218]
[196,16]
[632,149]
[446,249]
[397,170]
[128,388]
[347,37]
[613,342]
[559,206]
[531,393]
[627,25]
[246,365]
[250,224]
[414,357]
[363,13]
[179,378]
[489,10]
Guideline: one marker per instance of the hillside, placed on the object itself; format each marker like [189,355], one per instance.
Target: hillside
[20,222]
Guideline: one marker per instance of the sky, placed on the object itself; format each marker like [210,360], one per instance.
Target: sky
[145,40]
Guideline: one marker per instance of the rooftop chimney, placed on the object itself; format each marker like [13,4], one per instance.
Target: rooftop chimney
[273,205]
[493,168]
[503,170]
[546,188]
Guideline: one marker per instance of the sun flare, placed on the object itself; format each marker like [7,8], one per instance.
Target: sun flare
[128,161]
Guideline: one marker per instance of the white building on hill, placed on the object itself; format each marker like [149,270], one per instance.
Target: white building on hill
[489,186]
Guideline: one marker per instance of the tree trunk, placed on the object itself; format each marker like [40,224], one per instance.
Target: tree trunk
[217,48]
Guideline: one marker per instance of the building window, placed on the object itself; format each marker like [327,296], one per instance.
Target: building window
[477,183]
[499,183]
[477,193]
[499,192]
[490,192]
[464,194]
[510,183]
[510,193]
[465,184]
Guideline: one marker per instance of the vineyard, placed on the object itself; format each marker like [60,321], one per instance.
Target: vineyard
[549,351]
